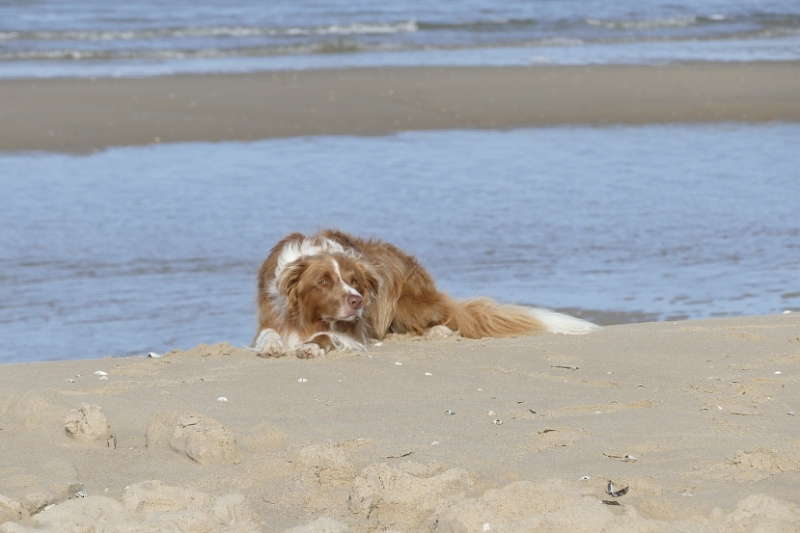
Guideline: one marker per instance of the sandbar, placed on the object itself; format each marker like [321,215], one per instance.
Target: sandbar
[87,114]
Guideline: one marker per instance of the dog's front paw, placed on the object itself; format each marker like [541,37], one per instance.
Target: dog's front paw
[310,350]
[269,344]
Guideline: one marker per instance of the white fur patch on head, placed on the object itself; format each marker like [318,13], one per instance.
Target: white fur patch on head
[310,246]
[347,286]
[295,251]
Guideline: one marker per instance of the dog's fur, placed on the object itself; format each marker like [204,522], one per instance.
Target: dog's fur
[335,291]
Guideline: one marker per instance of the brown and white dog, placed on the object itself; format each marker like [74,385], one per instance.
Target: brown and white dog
[333,291]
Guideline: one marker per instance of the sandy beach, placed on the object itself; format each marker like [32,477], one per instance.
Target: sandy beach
[655,427]
[79,115]
[696,419]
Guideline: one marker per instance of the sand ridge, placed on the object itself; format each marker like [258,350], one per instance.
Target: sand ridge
[697,419]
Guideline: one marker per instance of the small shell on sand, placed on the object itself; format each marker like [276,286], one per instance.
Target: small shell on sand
[449,412]
[100,373]
[302,380]
[613,492]
[497,422]
[222,399]
[154,355]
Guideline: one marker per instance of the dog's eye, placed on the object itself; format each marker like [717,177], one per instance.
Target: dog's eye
[324,281]
[354,282]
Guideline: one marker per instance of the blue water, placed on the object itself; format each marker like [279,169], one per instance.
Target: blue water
[154,248]
[149,37]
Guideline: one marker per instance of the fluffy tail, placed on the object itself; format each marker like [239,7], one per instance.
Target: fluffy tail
[483,317]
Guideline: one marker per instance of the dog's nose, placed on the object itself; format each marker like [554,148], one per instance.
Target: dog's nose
[355,302]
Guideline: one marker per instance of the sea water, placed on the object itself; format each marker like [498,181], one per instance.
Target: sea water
[152,248]
[149,37]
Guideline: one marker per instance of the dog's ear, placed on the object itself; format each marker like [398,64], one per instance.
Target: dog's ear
[288,281]
[370,278]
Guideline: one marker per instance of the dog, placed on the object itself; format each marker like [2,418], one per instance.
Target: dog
[334,291]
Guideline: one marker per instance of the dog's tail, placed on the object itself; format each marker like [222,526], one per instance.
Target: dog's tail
[483,317]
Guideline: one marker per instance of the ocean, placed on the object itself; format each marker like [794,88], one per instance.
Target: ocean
[153,248]
[149,37]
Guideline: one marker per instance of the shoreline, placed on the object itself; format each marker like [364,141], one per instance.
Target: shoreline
[696,418]
[78,115]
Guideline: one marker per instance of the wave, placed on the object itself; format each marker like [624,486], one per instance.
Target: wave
[567,28]
[233,41]
[644,24]
[338,46]
[356,28]
[478,25]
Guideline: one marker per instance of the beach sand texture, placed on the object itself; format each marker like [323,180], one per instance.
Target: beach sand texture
[78,115]
[696,418]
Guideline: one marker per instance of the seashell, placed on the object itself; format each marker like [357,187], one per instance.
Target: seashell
[490,413]
[71,380]
[449,412]
[103,377]
[585,478]
[154,355]
[428,374]
[302,380]
[497,422]
[100,373]
[398,363]
[222,399]
[613,492]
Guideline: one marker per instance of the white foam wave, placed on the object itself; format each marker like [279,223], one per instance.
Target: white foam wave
[644,24]
[211,31]
[356,29]
[561,41]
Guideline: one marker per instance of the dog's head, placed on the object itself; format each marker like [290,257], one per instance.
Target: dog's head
[327,288]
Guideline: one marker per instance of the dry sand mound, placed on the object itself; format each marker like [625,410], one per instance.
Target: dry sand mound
[89,424]
[147,507]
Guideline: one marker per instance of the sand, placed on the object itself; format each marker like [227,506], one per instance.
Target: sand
[81,115]
[697,419]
